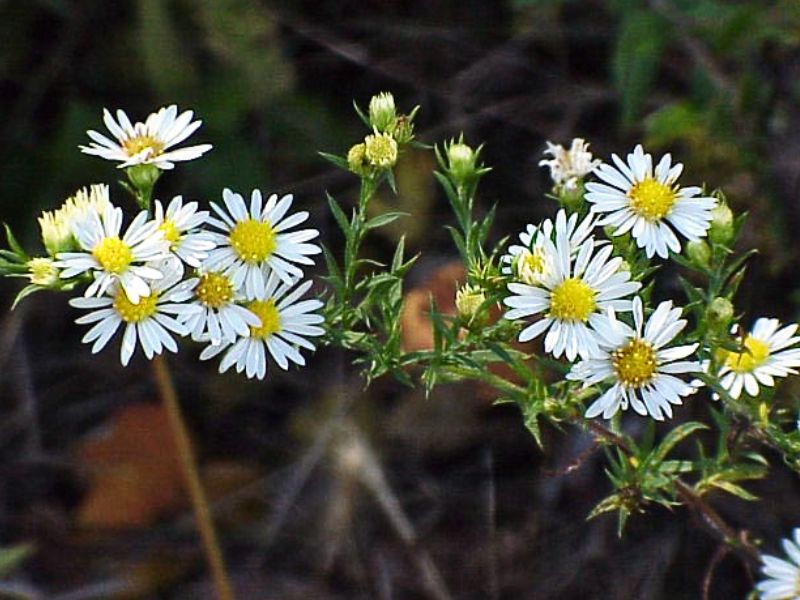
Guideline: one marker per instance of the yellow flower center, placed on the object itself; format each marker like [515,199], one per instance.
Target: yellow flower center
[756,353]
[114,255]
[253,241]
[135,313]
[530,266]
[42,271]
[572,300]
[652,199]
[380,150]
[214,290]
[171,232]
[267,311]
[135,145]
[635,364]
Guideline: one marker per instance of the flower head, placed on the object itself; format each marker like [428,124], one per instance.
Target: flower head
[571,296]
[148,321]
[569,167]
[782,577]
[469,298]
[148,142]
[180,225]
[285,324]
[57,227]
[42,271]
[382,111]
[767,353]
[222,316]
[638,363]
[649,203]
[255,242]
[380,150]
[111,258]
[530,262]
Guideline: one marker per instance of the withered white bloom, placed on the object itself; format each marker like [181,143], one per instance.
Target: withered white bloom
[571,296]
[285,325]
[181,224]
[568,167]
[638,363]
[649,203]
[254,243]
[767,354]
[148,142]
[782,577]
[149,321]
[109,257]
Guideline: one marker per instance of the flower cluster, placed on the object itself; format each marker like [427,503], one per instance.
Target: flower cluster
[572,281]
[232,281]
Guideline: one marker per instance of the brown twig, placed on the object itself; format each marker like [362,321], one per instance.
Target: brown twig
[200,505]
[721,553]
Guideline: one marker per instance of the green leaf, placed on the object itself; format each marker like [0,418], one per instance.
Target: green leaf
[336,160]
[384,219]
[673,438]
[734,489]
[14,244]
[338,214]
[640,43]
[25,292]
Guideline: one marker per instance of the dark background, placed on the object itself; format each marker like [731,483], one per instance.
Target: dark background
[323,489]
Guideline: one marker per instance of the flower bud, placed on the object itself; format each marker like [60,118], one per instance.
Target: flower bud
[469,299]
[721,230]
[380,150]
[699,253]
[56,233]
[719,313]
[42,271]
[403,129]
[357,160]
[382,112]
[461,161]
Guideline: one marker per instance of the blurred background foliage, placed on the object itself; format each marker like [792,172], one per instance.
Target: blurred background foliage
[324,490]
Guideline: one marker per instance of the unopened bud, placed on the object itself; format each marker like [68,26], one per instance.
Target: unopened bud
[42,271]
[461,160]
[382,112]
[469,300]
[719,313]
[357,159]
[699,253]
[380,150]
[721,230]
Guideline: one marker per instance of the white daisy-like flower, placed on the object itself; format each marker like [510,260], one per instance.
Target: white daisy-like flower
[568,167]
[638,362]
[110,257]
[255,242]
[575,293]
[649,203]
[221,318]
[767,353]
[782,576]
[530,262]
[149,321]
[285,323]
[181,224]
[148,142]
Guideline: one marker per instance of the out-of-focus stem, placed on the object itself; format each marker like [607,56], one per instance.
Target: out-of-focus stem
[199,501]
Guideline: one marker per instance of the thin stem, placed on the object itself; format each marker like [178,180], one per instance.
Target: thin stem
[202,511]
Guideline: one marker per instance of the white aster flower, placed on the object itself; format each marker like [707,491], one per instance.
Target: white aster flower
[149,321]
[256,243]
[782,576]
[148,142]
[638,363]
[568,167]
[220,318]
[111,258]
[284,323]
[530,262]
[767,354]
[180,224]
[649,203]
[570,297]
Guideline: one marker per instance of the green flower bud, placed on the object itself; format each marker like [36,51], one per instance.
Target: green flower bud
[699,253]
[380,150]
[721,230]
[719,313]
[461,161]
[382,113]
[403,129]
[42,271]
[469,299]
[357,160]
